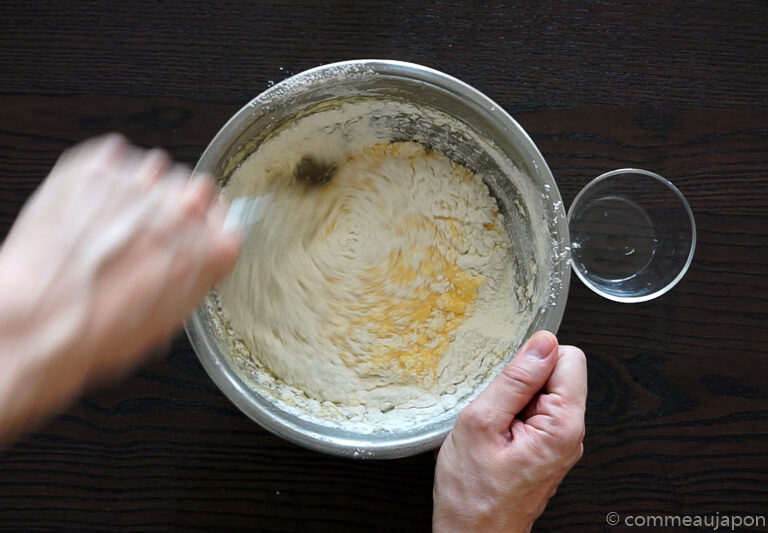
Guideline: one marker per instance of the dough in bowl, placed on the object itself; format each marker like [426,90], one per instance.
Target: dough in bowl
[386,293]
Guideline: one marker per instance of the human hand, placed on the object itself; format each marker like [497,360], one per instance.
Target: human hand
[512,446]
[106,260]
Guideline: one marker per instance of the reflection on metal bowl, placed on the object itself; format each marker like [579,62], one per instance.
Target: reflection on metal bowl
[459,122]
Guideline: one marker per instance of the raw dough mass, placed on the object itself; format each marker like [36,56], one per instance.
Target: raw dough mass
[386,292]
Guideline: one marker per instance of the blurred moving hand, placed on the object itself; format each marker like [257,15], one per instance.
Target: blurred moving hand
[118,245]
[512,446]
[105,261]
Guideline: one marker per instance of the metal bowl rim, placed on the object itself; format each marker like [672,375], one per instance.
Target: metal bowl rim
[233,387]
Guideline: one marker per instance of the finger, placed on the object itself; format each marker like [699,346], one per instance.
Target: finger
[177,176]
[532,409]
[198,195]
[105,146]
[128,172]
[569,378]
[110,142]
[558,413]
[88,160]
[208,255]
[225,246]
[155,163]
[174,185]
[508,394]
[225,255]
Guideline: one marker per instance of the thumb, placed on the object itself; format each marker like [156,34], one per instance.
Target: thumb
[495,408]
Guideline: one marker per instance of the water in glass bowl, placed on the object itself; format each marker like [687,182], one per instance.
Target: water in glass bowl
[632,235]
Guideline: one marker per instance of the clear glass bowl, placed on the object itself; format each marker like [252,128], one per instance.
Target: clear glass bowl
[632,235]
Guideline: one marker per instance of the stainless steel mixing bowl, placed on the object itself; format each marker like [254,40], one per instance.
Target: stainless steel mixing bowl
[531,205]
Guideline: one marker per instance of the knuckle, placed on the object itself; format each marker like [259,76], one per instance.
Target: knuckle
[559,404]
[115,137]
[582,433]
[189,207]
[156,160]
[573,434]
[158,153]
[475,417]
[517,377]
[575,456]
[565,436]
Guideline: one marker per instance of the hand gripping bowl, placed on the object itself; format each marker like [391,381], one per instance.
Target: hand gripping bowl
[459,122]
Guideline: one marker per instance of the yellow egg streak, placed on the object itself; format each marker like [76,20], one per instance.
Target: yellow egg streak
[416,298]
[404,309]
[409,305]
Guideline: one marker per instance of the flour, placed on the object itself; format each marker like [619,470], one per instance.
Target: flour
[382,300]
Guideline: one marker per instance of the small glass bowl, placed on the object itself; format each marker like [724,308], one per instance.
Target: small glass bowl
[632,235]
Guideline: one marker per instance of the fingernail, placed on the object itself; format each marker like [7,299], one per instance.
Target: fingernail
[540,345]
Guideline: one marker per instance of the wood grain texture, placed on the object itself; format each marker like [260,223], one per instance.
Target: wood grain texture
[677,417]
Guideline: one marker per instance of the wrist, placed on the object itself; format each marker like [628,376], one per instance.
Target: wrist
[456,524]
[34,378]
[464,512]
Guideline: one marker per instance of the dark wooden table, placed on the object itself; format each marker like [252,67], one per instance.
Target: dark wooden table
[677,417]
